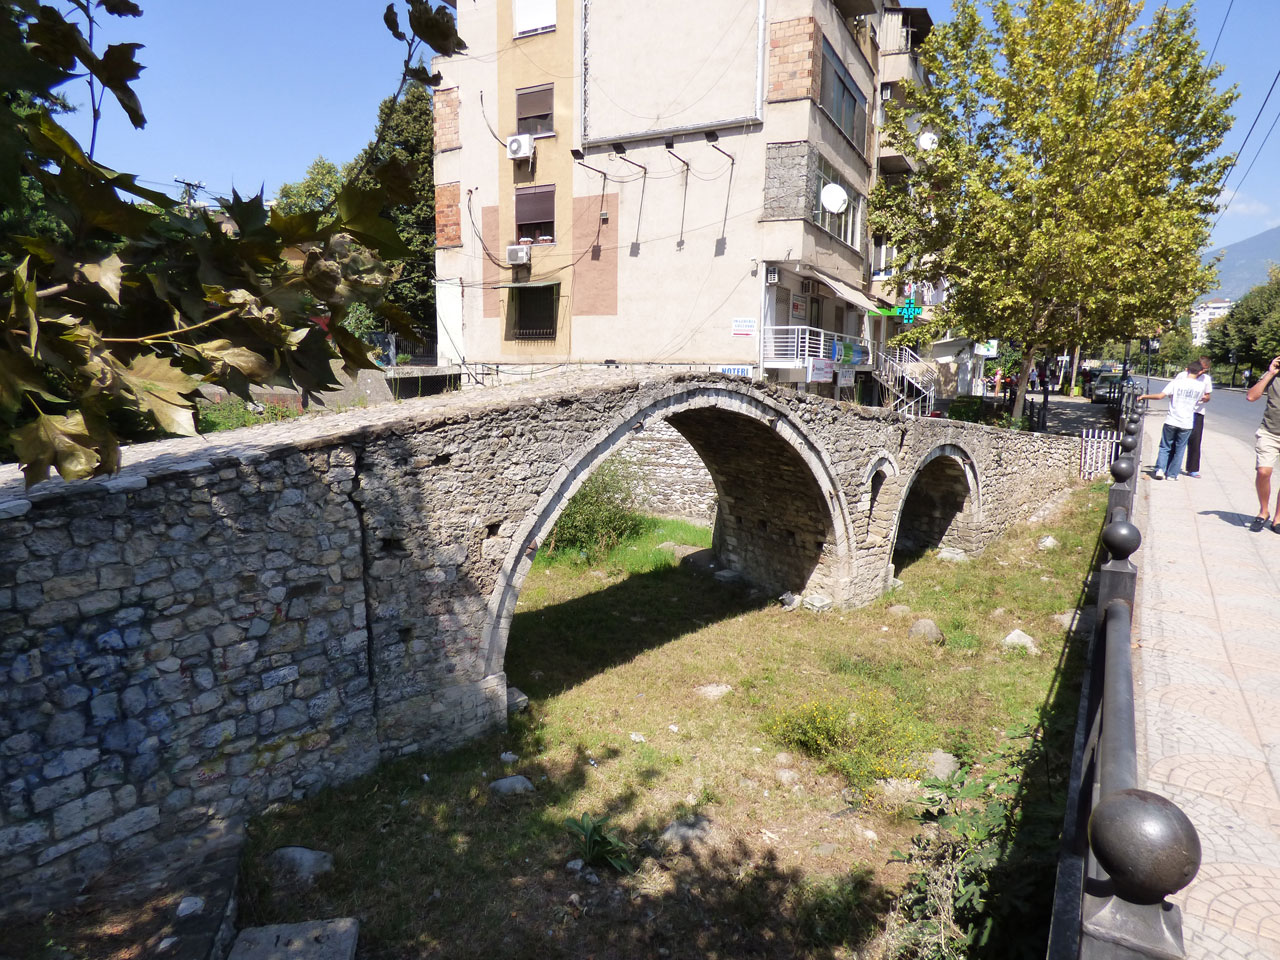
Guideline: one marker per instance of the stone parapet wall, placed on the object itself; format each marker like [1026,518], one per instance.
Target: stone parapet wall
[246,618]
[672,480]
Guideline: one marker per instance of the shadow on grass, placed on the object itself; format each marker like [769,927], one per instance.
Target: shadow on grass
[474,875]
[557,647]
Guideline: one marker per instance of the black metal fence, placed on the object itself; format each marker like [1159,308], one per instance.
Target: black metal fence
[1124,850]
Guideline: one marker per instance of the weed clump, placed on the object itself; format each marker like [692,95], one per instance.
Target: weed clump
[600,515]
[863,740]
[232,413]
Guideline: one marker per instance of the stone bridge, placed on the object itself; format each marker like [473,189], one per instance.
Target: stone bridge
[246,618]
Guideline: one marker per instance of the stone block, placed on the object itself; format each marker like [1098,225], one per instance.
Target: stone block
[60,791]
[273,678]
[69,845]
[80,814]
[68,762]
[21,836]
[312,940]
[144,818]
[64,728]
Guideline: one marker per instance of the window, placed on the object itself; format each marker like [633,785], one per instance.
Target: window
[533,110]
[882,257]
[842,100]
[532,16]
[846,226]
[536,214]
[535,307]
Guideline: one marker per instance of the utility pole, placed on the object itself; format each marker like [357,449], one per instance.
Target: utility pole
[189,190]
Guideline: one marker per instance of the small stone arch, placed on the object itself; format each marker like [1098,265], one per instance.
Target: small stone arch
[941,503]
[693,411]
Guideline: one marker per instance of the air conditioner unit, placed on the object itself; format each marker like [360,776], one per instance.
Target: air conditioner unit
[806,286]
[518,253]
[520,147]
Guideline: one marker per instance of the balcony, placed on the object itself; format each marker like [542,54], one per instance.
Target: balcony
[792,346]
[854,8]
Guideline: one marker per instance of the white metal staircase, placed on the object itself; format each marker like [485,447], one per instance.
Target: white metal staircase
[911,382]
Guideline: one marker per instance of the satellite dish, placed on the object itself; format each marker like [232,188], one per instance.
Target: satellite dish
[833,198]
[927,141]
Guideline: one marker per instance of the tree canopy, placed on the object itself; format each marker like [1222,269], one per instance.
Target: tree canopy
[111,318]
[1250,332]
[1069,193]
[315,191]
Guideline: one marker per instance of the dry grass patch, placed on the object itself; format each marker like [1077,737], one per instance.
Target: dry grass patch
[798,859]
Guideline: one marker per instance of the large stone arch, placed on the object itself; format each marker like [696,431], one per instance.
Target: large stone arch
[783,521]
[941,503]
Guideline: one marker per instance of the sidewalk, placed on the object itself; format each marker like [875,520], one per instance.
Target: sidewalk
[1207,689]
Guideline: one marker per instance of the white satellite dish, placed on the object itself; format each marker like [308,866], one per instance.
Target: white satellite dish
[833,198]
[927,141]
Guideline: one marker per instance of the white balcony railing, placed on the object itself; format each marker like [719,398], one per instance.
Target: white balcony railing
[791,346]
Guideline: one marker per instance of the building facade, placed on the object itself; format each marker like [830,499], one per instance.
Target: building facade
[1203,314]
[669,185]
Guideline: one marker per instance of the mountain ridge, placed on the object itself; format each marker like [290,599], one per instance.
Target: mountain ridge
[1244,264]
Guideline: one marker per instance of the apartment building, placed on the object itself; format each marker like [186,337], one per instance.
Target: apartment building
[1203,314]
[672,184]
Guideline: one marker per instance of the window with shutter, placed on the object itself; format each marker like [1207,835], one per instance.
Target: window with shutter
[532,16]
[534,110]
[536,214]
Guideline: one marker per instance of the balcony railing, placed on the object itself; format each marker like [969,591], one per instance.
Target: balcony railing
[791,346]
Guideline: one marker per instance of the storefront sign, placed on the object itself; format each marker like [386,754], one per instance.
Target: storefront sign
[845,375]
[799,308]
[845,352]
[987,348]
[819,370]
[737,371]
[744,326]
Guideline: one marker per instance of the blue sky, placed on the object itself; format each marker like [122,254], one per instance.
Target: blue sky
[247,94]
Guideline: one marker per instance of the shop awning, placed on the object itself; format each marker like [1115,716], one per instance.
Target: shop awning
[846,292]
[529,284]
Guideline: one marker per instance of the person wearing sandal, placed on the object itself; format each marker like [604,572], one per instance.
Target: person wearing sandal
[1267,449]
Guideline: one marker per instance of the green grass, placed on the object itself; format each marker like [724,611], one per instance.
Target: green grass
[612,655]
[231,412]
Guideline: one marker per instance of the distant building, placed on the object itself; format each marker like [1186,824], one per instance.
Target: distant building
[1203,314]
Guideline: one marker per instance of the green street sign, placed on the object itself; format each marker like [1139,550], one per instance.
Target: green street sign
[908,311]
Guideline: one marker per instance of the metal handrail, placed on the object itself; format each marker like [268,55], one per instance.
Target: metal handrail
[1124,850]
[798,343]
[900,367]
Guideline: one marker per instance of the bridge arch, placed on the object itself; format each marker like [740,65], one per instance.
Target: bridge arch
[941,503]
[783,521]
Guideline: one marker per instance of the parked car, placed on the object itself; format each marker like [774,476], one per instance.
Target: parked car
[1102,385]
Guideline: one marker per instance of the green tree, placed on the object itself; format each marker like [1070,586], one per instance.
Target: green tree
[407,146]
[316,191]
[107,330]
[1068,195]
[1251,328]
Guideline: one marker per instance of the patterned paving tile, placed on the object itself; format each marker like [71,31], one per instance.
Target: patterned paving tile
[1242,897]
[1237,778]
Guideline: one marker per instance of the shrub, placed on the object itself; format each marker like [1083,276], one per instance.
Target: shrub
[231,413]
[601,514]
[598,846]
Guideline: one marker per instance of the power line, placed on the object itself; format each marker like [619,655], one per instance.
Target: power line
[1220,29]
[1245,143]
[1250,167]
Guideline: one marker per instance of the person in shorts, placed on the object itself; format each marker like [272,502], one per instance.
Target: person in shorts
[1267,448]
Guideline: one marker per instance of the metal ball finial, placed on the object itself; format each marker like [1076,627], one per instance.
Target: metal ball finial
[1128,442]
[1146,844]
[1131,429]
[1122,469]
[1134,419]
[1122,539]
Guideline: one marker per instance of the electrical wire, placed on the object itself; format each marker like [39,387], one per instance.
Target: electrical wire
[1248,169]
[1245,143]
[1220,29]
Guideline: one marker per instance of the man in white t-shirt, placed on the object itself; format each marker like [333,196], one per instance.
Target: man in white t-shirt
[1184,392]
[1197,428]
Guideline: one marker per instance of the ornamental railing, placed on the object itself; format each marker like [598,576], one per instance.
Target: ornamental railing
[1124,850]
[792,345]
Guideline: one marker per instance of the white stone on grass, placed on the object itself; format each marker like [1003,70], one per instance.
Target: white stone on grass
[1017,640]
[516,701]
[900,610]
[310,940]
[953,555]
[190,905]
[511,785]
[1047,543]
[941,765]
[926,629]
[508,757]
[817,602]
[300,864]
[713,691]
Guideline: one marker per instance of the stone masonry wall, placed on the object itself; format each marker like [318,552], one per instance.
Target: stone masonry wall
[249,617]
[672,479]
[448,214]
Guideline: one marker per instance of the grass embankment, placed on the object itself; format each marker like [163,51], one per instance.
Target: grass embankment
[799,860]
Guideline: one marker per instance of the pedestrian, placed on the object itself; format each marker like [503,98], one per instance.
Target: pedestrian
[1183,392]
[1197,428]
[1034,375]
[1267,448]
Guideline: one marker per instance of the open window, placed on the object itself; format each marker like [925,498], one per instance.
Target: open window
[534,110]
[533,308]
[536,214]
[529,17]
